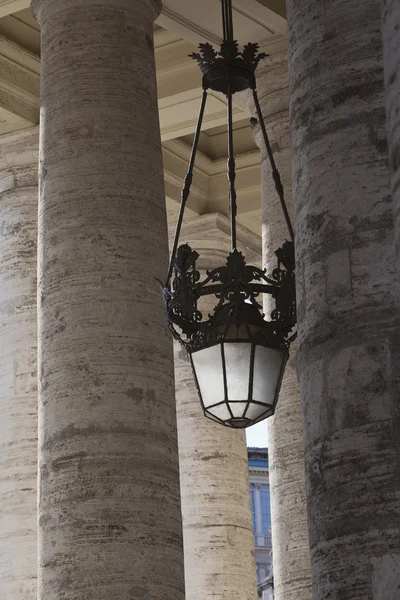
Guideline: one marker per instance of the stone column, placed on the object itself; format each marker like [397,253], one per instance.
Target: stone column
[391,50]
[109,508]
[217,522]
[348,298]
[290,544]
[18,349]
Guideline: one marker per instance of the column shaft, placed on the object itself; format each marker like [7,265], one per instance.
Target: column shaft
[290,543]
[18,349]
[217,526]
[215,492]
[109,509]
[348,298]
[391,50]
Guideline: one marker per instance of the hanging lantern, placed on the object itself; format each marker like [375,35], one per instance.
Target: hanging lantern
[237,355]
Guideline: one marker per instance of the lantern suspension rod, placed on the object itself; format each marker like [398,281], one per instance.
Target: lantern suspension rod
[187,184]
[275,172]
[227,20]
[231,169]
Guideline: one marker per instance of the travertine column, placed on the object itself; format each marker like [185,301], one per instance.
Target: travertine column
[18,349]
[290,545]
[109,509]
[217,523]
[348,298]
[391,49]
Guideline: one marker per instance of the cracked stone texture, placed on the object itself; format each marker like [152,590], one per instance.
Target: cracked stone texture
[109,507]
[18,350]
[291,555]
[348,297]
[391,53]
[217,523]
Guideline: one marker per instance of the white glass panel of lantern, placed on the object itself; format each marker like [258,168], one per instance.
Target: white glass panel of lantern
[221,411]
[207,365]
[211,417]
[238,408]
[255,410]
[237,364]
[268,365]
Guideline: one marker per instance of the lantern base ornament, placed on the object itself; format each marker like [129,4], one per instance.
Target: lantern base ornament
[238,357]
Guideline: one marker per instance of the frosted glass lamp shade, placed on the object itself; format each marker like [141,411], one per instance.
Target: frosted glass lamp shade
[239,381]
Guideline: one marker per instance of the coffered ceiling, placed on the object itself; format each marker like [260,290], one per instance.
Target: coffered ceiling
[181,26]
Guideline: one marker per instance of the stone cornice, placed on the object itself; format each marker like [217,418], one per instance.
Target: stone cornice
[209,234]
[187,28]
[209,188]
[11,6]
[19,87]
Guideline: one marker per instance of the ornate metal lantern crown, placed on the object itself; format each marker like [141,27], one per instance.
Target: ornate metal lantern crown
[238,357]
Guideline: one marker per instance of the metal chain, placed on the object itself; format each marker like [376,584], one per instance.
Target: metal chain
[187,184]
[231,170]
[275,173]
[227,20]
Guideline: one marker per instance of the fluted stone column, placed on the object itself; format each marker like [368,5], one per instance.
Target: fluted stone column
[109,509]
[290,544]
[348,298]
[18,350]
[391,48]
[217,522]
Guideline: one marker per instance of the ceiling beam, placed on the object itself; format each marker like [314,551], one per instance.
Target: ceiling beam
[176,71]
[210,192]
[179,113]
[175,168]
[261,14]
[199,22]
[19,88]
[207,165]
[7,7]
[210,236]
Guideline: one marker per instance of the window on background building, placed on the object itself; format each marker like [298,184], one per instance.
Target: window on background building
[265,510]
[262,570]
[253,506]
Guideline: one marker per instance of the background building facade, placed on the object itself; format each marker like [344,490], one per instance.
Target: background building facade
[261,516]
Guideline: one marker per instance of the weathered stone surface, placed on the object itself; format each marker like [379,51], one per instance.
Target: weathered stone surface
[391,53]
[217,524]
[109,508]
[291,556]
[18,350]
[348,296]
[386,580]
